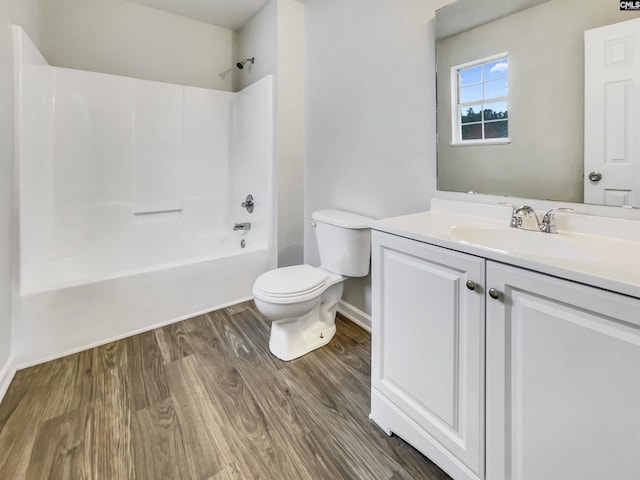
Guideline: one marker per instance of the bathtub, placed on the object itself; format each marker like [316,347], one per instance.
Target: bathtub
[59,321]
[128,191]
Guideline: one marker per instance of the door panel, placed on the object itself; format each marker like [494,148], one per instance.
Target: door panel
[422,299]
[428,341]
[562,380]
[612,99]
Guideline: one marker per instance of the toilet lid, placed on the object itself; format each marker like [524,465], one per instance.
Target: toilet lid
[290,281]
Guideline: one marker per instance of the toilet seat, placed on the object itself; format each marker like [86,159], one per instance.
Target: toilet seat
[290,284]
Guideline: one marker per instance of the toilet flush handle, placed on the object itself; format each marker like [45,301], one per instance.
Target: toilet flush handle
[312,223]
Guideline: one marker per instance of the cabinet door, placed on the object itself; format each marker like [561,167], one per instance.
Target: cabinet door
[428,348]
[563,380]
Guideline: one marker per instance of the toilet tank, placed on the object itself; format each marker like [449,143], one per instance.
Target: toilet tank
[344,241]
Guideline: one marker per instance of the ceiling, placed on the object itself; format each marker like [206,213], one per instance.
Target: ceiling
[231,14]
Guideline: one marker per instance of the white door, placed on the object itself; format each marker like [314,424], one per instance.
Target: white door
[612,114]
[428,349]
[563,380]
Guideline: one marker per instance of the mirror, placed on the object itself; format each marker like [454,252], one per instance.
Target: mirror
[543,154]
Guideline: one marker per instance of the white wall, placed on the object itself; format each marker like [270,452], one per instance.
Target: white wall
[290,121]
[258,38]
[275,37]
[29,14]
[133,40]
[370,113]
[6,192]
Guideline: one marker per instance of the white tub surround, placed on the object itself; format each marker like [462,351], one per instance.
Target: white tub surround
[528,343]
[128,194]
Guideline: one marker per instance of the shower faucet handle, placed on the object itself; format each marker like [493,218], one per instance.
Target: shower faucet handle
[248,203]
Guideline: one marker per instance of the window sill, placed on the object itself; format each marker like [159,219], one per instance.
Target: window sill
[475,143]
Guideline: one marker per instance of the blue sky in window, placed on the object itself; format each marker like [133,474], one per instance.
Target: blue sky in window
[472,93]
[487,72]
[495,70]
[495,88]
[471,75]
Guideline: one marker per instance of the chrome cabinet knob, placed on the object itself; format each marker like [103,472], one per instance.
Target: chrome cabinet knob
[494,293]
[471,285]
[595,176]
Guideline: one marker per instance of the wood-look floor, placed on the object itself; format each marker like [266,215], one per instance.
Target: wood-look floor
[202,399]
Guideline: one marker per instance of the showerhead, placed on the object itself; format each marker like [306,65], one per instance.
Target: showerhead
[240,65]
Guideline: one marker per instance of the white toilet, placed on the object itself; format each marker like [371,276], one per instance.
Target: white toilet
[302,300]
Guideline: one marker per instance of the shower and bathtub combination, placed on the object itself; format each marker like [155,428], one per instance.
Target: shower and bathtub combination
[129,192]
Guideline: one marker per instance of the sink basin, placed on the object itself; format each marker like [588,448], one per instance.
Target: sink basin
[504,239]
[519,241]
[560,248]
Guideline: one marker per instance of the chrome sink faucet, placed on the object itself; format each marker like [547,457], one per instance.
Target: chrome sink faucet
[519,214]
[546,225]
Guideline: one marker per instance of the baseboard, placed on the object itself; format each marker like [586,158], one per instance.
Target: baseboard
[356,315]
[7,373]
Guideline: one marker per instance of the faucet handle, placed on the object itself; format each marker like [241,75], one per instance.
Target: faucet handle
[550,214]
[248,203]
[516,221]
[548,224]
[515,209]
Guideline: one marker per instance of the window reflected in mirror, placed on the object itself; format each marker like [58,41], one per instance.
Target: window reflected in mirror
[480,100]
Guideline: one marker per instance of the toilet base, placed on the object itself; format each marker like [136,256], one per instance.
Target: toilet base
[295,337]
[282,346]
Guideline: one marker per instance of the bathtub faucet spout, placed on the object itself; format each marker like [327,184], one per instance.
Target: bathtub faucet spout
[242,226]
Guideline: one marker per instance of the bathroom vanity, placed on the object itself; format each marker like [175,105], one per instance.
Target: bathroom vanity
[508,354]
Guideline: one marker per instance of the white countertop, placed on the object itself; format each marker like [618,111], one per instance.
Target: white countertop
[610,261]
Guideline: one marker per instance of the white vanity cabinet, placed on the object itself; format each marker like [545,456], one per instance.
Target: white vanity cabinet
[563,379]
[555,389]
[428,350]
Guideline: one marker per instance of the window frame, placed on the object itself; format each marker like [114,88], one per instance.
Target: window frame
[456,124]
